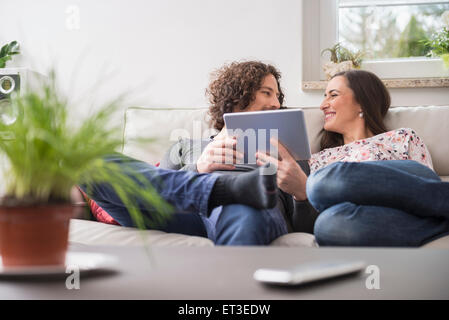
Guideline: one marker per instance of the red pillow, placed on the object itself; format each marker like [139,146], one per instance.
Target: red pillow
[98,212]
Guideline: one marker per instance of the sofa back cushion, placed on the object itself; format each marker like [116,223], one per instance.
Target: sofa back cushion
[165,126]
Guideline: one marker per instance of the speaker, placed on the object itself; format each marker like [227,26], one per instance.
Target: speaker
[9,83]
[12,80]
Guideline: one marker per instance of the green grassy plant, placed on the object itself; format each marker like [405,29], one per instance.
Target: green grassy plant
[47,156]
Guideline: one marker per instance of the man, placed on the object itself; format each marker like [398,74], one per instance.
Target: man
[246,213]
[239,87]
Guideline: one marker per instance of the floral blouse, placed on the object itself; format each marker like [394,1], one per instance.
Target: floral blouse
[400,144]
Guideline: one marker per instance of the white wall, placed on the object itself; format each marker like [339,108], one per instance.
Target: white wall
[164,49]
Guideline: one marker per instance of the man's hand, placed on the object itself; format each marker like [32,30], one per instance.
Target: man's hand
[220,154]
[290,177]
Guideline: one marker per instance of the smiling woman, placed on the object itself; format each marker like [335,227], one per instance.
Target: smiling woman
[364,201]
[371,187]
[355,105]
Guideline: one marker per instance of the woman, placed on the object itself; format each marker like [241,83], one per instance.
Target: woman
[372,187]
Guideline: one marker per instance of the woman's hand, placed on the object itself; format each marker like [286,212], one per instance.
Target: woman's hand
[290,177]
[220,154]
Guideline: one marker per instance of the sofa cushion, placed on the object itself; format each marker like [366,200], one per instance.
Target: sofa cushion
[97,233]
[432,127]
[441,243]
[164,127]
[295,239]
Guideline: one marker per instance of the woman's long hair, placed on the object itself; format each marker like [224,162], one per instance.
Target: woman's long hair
[372,96]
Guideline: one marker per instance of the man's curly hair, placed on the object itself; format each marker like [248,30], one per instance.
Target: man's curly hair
[234,87]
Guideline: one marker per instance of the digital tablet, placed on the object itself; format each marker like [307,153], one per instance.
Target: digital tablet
[254,130]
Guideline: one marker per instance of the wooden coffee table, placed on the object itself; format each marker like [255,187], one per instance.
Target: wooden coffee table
[225,273]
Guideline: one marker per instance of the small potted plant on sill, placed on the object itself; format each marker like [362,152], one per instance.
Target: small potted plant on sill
[7,51]
[342,59]
[46,157]
[439,42]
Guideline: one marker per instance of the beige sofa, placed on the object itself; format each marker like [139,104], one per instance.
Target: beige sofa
[167,125]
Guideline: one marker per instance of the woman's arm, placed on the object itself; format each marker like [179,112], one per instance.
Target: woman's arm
[290,177]
[417,150]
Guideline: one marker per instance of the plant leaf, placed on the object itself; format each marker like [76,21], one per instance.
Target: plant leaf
[4,50]
[14,47]
[7,51]
[3,61]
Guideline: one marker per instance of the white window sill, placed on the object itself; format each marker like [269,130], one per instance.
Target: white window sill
[389,83]
[407,68]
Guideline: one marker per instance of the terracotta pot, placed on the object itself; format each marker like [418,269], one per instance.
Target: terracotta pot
[34,235]
[332,68]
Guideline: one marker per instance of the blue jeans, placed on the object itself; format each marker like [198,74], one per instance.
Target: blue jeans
[189,193]
[378,203]
[238,224]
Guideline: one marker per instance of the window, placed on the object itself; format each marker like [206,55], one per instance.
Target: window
[391,33]
[390,29]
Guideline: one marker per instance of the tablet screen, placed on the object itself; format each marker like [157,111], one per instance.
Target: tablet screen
[254,130]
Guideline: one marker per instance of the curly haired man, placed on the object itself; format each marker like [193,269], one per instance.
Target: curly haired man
[230,209]
[240,87]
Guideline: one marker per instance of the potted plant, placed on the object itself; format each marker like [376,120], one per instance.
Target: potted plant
[45,158]
[7,51]
[342,59]
[439,42]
